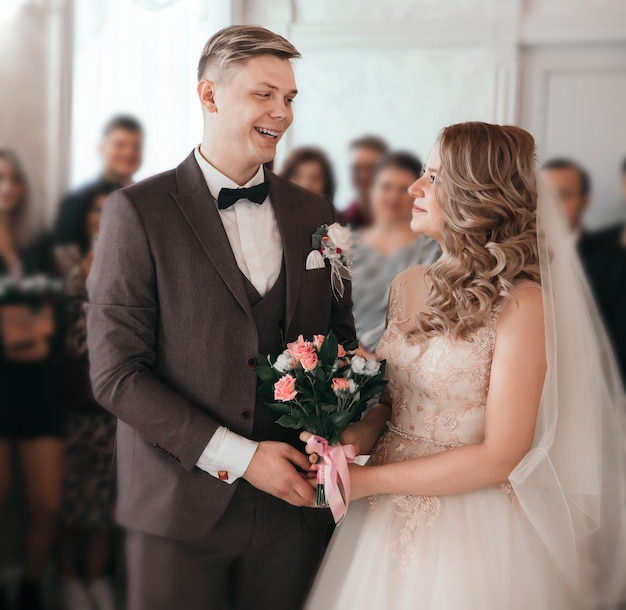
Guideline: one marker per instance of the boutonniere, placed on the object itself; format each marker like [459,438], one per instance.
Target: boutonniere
[332,243]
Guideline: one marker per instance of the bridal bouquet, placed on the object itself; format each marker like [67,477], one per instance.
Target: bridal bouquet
[321,386]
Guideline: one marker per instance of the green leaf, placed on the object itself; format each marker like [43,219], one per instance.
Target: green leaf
[312,422]
[267,373]
[371,391]
[287,421]
[266,389]
[341,419]
[328,351]
[329,408]
[280,407]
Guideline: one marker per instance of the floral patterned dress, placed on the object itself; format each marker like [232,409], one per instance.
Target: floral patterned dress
[469,551]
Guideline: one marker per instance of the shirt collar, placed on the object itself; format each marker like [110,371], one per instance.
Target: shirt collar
[216,181]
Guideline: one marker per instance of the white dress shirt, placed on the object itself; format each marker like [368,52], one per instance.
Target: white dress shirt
[254,237]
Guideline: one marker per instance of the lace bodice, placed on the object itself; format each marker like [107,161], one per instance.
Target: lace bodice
[438,389]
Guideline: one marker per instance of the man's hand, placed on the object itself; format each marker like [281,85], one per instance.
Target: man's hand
[273,470]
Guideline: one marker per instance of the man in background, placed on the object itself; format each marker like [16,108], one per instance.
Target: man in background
[121,152]
[609,281]
[603,254]
[365,153]
[571,187]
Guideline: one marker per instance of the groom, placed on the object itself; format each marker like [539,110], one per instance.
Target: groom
[198,271]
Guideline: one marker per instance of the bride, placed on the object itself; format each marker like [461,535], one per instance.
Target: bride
[496,480]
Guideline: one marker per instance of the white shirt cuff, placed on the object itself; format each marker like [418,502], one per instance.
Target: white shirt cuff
[227,455]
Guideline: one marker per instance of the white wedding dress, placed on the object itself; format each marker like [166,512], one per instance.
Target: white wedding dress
[552,539]
[469,551]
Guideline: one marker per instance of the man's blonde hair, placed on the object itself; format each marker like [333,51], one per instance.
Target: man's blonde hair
[237,43]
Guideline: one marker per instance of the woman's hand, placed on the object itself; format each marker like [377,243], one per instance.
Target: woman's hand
[359,475]
[313,457]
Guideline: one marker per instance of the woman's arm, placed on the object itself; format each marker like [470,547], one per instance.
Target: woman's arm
[517,375]
[365,433]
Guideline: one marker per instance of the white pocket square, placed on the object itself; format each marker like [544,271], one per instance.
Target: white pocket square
[315,260]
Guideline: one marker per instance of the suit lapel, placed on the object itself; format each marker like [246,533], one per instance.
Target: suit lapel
[199,209]
[291,232]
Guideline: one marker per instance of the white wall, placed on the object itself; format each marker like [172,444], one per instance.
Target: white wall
[399,68]
[35,54]
[405,68]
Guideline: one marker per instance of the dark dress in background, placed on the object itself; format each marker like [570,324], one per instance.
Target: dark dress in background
[90,430]
[30,393]
[70,224]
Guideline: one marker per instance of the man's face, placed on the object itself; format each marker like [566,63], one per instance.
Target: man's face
[252,108]
[362,167]
[121,152]
[566,187]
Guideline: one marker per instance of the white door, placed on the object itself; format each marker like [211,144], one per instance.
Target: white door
[573,100]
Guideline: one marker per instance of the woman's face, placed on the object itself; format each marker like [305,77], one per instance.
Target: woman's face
[93,217]
[11,188]
[390,199]
[310,176]
[426,210]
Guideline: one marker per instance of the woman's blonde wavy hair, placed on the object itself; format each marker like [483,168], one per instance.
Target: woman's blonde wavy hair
[487,191]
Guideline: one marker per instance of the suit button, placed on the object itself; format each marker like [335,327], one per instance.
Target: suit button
[246,414]
[251,362]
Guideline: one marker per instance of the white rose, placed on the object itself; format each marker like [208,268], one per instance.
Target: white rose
[353,387]
[285,362]
[341,237]
[364,366]
[372,367]
[358,365]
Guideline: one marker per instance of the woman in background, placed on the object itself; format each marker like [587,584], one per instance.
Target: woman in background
[31,413]
[388,246]
[86,514]
[311,169]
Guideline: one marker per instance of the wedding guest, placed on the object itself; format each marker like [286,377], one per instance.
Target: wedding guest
[121,151]
[310,168]
[365,154]
[572,188]
[615,235]
[603,254]
[609,280]
[388,246]
[31,416]
[86,512]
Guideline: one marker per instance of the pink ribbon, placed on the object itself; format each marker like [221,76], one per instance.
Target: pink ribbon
[332,469]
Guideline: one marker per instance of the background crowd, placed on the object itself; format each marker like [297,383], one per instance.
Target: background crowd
[57,444]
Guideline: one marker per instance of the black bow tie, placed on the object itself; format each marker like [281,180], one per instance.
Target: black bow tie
[228,197]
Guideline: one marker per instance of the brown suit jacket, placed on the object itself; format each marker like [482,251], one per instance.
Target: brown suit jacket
[171,335]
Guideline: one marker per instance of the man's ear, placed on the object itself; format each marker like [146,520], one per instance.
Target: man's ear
[206,93]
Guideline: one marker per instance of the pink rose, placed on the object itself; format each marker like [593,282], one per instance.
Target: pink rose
[309,361]
[340,384]
[318,340]
[300,347]
[341,352]
[285,389]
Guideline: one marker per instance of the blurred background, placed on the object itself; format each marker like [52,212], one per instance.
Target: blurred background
[95,94]
[400,69]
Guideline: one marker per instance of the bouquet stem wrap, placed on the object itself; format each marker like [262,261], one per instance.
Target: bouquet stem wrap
[332,469]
